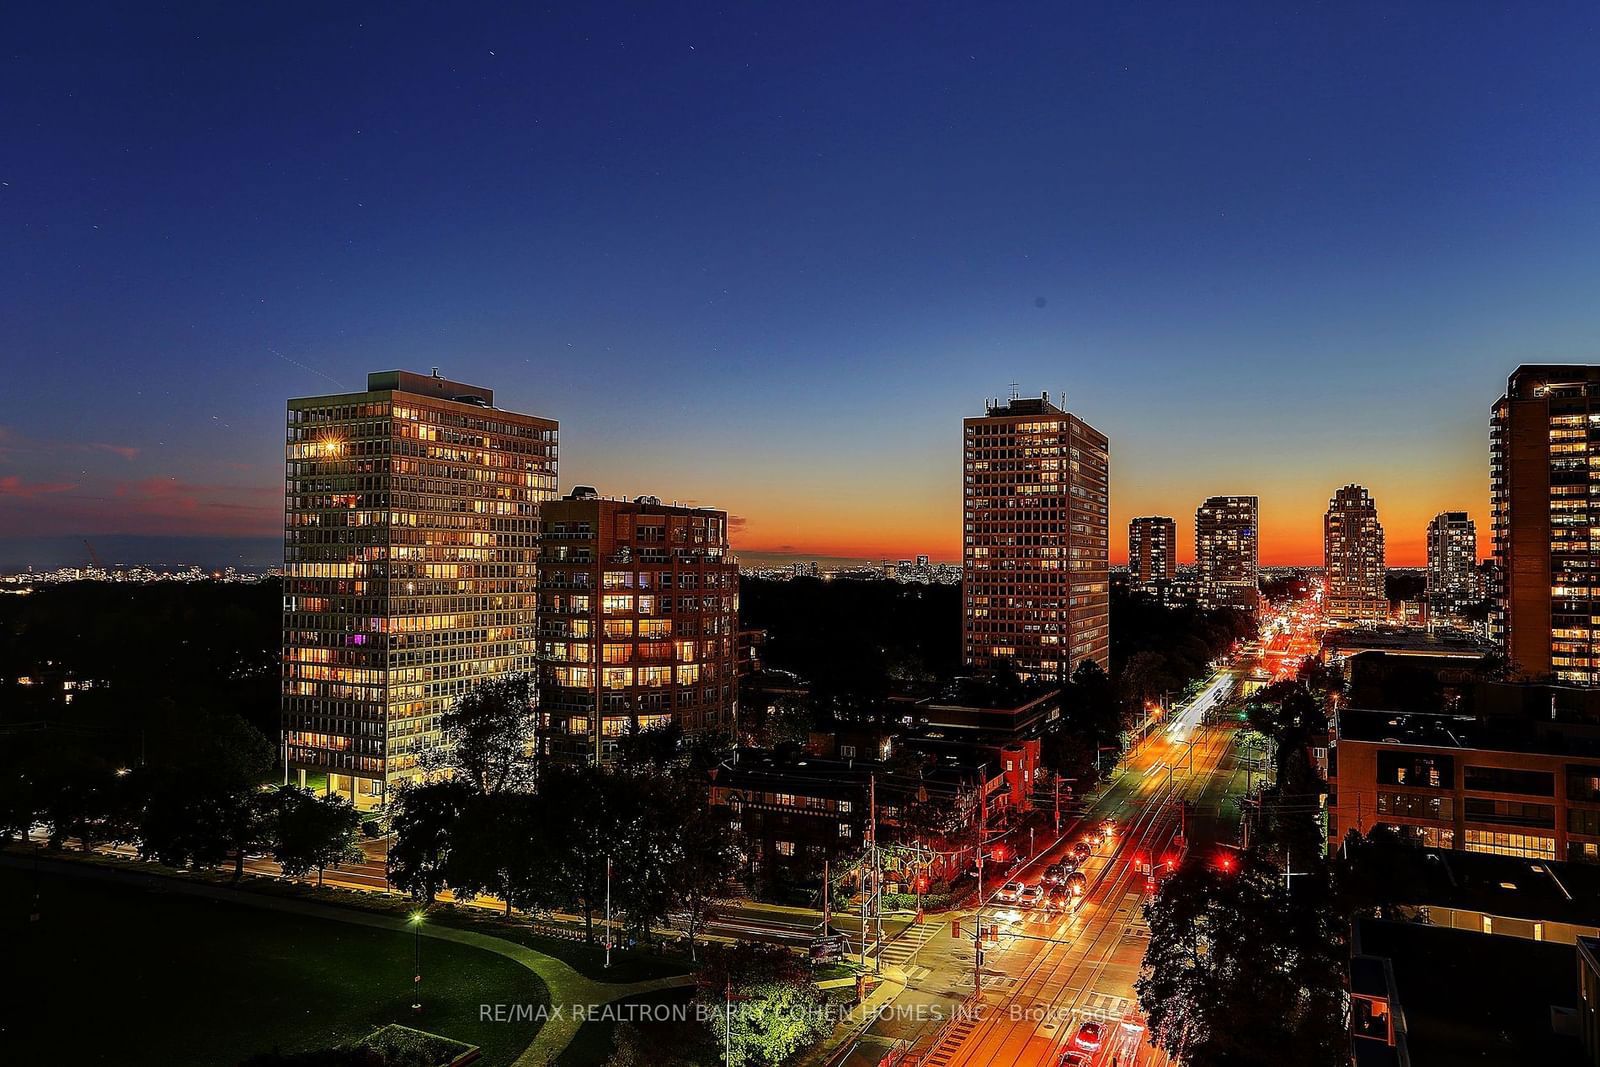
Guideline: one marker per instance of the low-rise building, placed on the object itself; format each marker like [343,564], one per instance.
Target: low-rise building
[1519,776]
[795,813]
[976,705]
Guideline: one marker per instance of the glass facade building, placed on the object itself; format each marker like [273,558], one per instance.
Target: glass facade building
[410,543]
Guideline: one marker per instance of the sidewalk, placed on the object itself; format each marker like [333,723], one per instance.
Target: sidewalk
[837,1045]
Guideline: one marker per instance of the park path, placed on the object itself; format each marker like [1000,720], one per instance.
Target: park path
[566,985]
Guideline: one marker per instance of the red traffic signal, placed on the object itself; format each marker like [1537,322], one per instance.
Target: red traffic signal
[1225,862]
[1000,853]
[922,883]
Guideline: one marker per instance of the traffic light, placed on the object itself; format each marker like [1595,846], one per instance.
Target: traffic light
[955,927]
[922,883]
[1000,853]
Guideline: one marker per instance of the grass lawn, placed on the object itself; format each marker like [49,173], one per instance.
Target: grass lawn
[117,974]
[596,1040]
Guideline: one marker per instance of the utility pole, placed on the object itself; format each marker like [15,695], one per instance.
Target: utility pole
[1058,803]
[977,914]
[827,898]
[608,910]
[877,873]
[862,867]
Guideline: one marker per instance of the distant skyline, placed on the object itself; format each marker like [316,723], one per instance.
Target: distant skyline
[1266,252]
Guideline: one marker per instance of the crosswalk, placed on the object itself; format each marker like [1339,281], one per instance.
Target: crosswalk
[1104,1006]
[906,945]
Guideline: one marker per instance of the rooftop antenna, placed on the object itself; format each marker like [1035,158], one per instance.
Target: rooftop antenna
[436,372]
[1013,390]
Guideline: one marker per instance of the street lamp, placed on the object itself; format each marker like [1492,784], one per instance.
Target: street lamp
[416,978]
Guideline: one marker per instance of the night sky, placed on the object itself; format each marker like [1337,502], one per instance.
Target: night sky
[765,257]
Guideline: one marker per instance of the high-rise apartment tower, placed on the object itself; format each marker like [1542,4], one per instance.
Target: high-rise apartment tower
[1352,548]
[410,525]
[1544,493]
[1152,551]
[1227,552]
[1452,589]
[1035,568]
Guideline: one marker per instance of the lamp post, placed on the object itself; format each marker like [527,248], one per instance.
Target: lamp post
[416,979]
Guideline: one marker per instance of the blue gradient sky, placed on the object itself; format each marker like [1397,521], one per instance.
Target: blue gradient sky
[766,257]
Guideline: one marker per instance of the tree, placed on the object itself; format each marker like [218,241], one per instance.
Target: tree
[587,838]
[530,830]
[698,879]
[789,721]
[179,823]
[492,731]
[312,833]
[18,801]
[782,1010]
[656,746]
[247,824]
[1238,969]
[1145,677]
[503,846]
[423,824]
[1093,710]
[203,800]
[78,796]
[1069,754]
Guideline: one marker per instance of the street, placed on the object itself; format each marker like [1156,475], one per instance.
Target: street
[1045,976]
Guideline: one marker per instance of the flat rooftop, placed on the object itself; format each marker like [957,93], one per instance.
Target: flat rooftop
[1023,405]
[1499,734]
[1509,886]
[1472,1000]
[1399,640]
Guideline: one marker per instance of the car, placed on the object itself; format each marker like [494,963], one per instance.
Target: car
[1073,1058]
[1089,1037]
[1054,874]
[1109,828]
[1031,896]
[1009,893]
[1081,852]
[1077,883]
[1060,899]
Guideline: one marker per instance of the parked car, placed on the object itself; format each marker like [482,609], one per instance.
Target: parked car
[1009,893]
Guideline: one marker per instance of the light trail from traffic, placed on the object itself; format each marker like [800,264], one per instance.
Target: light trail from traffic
[1075,965]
